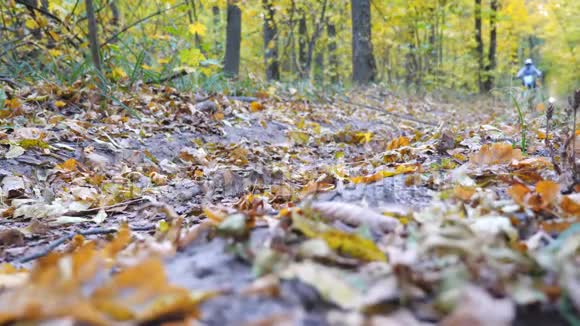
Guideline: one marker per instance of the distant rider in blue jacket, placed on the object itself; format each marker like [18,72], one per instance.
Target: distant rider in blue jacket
[528,74]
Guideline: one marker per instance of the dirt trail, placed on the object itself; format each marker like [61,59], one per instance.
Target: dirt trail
[195,165]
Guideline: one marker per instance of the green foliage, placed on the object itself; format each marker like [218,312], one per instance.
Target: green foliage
[523,125]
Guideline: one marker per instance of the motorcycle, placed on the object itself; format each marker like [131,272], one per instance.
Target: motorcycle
[529,81]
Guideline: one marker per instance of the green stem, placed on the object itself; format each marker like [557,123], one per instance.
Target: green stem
[522,124]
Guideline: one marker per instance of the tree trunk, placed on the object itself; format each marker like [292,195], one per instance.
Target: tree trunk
[332,57]
[319,68]
[441,34]
[431,60]
[363,61]
[389,64]
[270,42]
[233,40]
[192,14]
[216,26]
[411,62]
[93,34]
[478,43]
[318,26]
[492,60]
[37,32]
[115,19]
[303,45]
[410,65]
[115,12]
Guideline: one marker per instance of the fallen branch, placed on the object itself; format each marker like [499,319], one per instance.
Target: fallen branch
[400,116]
[10,82]
[68,237]
[168,78]
[247,99]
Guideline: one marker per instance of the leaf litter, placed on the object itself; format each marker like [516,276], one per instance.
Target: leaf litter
[281,210]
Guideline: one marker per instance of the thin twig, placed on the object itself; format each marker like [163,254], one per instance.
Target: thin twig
[549,145]
[247,99]
[575,106]
[105,208]
[63,239]
[30,5]
[128,27]
[400,116]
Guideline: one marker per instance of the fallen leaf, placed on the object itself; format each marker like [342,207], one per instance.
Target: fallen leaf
[402,141]
[549,190]
[68,220]
[571,204]
[12,186]
[256,106]
[329,282]
[100,217]
[476,307]
[464,193]
[11,237]
[498,153]
[14,152]
[349,244]
[355,215]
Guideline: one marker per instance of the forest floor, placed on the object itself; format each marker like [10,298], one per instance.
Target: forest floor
[150,206]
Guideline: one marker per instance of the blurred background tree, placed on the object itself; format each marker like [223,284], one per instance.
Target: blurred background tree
[465,45]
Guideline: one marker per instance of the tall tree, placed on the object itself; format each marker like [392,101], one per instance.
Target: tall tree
[233,39]
[492,60]
[115,12]
[363,61]
[192,15]
[332,56]
[93,34]
[302,45]
[216,30]
[116,16]
[319,68]
[318,27]
[478,43]
[270,42]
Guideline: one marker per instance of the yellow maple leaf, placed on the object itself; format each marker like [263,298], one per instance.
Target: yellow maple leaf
[364,137]
[197,28]
[351,245]
[118,73]
[55,53]
[191,57]
[68,165]
[256,106]
[31,24]
[54,35]
[207,71]
[12,103]
[402,141]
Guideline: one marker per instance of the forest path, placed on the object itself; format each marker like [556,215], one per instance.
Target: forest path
[203,163]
